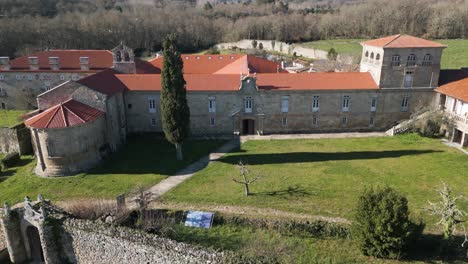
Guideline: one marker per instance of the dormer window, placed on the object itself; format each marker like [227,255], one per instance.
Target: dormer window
[411,60]
[396,60]
[427,60]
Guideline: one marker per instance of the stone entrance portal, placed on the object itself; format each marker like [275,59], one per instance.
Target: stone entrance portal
[35,248]
[248,127]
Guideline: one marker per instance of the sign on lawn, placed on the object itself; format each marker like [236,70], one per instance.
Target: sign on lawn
[199,219]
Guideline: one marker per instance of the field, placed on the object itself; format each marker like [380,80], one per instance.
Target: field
[10,117]
[325,177]
[144,161]
[454,56]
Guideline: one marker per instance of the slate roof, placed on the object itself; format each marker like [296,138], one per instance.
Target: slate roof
[104,82]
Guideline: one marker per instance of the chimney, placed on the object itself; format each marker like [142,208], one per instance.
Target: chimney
[84,63]
[54,63]
[5,63]
[33,63]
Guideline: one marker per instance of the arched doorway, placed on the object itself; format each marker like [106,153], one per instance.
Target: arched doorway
[35,248]
[248,127]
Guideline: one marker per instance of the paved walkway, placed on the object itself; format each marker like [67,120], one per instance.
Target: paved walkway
[182,175]
[454,145]
[314,136]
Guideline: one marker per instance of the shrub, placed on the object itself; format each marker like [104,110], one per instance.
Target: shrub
[94,209]
[10,160]
[382,226]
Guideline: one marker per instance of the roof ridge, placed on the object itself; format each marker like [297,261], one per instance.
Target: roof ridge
[397,37]
[53,115]
[75,114]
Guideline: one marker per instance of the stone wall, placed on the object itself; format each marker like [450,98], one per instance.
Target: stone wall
[15,139]
[91,242]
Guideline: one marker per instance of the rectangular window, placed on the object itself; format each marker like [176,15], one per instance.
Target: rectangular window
[129,106]
[316,104]
[2,92]
[153,122]
[345,103]
[404,104]
[395,60]
[151,105]
[212,121]
[248,102]
[371,121]
[62,77]
[212,104]
[50,149]
[373,104]
[1,77]
[344,120]
[314,121]
[3,106]
[284,121]
[284,104]
[408,82]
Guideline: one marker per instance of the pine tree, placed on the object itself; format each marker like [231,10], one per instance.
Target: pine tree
[175,112]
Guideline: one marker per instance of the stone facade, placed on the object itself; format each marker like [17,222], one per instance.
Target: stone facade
[15,139]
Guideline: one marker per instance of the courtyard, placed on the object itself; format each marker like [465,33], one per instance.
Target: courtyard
[324,177]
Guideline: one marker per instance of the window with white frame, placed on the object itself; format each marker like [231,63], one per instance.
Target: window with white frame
[427,60]
[404,104]
[411,60]
[373,105]
[151,105]
[248,104]
[212,121]
[316,103]
[153,121]
[212,104]
[396,60]
[408,81]
[284,121]
[284,104]
[315,120]
[345,105]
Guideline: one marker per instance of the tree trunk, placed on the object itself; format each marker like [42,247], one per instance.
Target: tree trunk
[178,147]
[247,192]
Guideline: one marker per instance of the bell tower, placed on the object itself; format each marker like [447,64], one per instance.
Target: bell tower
[123,59]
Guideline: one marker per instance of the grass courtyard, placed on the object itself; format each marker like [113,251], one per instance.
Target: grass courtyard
[10,117]
[325,176]
[144,161]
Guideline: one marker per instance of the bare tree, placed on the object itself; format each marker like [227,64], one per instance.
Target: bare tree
[142,201]
[244,173]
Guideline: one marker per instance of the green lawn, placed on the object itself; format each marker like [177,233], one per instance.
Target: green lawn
[144,161]
[325,176]
[454,56]
[10,117]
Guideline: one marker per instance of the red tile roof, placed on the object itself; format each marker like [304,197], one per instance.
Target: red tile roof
[402,41]
[67,114]
[223,64]
[458,89]
[104,82]
[265,81]
[69,60]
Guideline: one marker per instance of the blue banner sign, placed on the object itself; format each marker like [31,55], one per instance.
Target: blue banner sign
[199,219]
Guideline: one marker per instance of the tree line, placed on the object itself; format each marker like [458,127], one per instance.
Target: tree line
[102,24]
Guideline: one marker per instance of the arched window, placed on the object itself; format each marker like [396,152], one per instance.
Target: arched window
[411,60]
[427,60]
[367,54]
[396,60]
[372,55]
[118,56]
[126,56]
[377,57]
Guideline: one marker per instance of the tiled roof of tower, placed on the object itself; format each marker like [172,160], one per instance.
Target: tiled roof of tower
[67,114]
[458,89]
[317,81]
[68,60]
[265,81]
[104,82]
[403,41]
[223,64]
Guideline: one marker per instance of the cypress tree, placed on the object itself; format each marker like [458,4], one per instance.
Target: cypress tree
[175,112]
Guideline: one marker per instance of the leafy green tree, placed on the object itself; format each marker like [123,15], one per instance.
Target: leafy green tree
[381,225]
[175,112]
[332,54]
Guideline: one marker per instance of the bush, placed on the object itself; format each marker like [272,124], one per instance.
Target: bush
[10,160]
[382,226]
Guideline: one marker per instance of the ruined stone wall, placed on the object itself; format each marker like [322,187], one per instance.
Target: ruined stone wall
[15,139]
[90,242]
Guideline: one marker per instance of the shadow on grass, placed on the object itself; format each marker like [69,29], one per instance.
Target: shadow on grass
[298,157]
[430,249]
[291,191]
